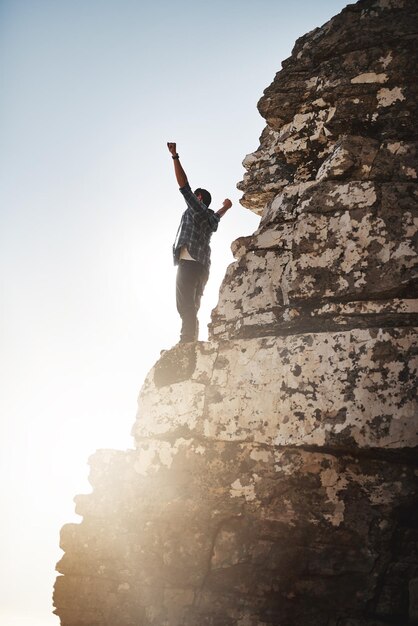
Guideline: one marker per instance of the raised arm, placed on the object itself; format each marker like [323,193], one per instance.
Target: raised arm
[178,169]
[226,205]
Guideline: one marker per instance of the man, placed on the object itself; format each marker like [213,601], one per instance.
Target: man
[191,249]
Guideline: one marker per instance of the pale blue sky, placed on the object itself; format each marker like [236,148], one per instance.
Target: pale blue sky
[90,91]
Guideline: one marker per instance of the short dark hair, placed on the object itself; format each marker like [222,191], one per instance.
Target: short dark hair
[206,197]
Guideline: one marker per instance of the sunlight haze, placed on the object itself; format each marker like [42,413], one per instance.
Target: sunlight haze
[91,91]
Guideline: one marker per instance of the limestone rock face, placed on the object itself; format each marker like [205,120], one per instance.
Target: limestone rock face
[335,181]
[274,476]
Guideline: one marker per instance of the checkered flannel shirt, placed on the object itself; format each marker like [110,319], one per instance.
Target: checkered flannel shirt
[197,224]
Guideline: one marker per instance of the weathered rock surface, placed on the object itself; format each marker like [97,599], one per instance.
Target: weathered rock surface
[275,473]
[335,180]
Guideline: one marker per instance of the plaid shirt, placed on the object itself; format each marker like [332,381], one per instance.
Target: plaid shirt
[196,228]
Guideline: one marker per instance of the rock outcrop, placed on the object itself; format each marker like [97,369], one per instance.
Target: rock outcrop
[274,475]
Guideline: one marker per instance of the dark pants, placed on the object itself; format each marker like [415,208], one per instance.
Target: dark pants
[191,280]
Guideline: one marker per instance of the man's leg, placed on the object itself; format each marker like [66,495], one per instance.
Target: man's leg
[203,279]
[190,277]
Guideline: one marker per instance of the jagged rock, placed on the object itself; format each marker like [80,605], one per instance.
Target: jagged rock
[334,390]
[274,476]
[338,232]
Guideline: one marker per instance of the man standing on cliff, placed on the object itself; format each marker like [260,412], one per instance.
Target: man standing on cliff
[191,249]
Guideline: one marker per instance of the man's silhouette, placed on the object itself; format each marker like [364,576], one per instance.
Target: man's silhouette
[191,249]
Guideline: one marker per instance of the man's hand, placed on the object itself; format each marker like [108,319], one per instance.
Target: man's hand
[172,148]
[226,205]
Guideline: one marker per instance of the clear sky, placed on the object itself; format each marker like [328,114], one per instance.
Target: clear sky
[90,92]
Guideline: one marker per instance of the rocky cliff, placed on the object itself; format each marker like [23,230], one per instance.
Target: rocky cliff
[274,478]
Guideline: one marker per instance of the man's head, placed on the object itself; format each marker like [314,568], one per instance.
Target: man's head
[204,196]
